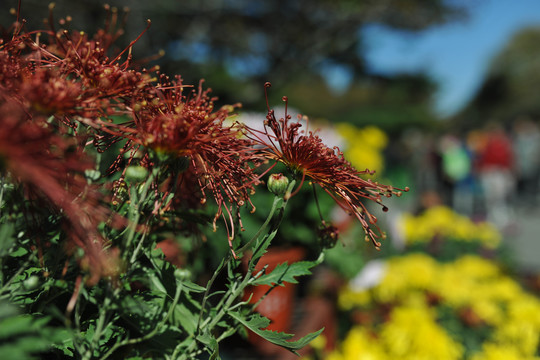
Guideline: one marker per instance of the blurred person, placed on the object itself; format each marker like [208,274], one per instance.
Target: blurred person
[526,140]
[457,171]
[495,171]
[419,150]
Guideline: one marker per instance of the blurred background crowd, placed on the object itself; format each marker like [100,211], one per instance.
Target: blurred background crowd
[440,96]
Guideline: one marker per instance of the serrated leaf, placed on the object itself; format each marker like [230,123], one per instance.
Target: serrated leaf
[185,318]
[210,343]
[192,287]
[215,352]
[284,272]
[257,323]
[157,285]
[263,243]
[15,325]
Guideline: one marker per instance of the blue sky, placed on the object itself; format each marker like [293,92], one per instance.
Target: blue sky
[456,55]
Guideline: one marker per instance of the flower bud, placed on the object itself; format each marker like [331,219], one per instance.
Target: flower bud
[277,184]
[328,236]
[31,283]
[92,175]
[136,173]
[182,274]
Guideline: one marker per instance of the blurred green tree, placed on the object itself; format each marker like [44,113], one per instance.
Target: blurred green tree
[237,45]
[509,89]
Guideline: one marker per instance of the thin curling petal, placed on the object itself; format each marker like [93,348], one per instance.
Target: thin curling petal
[304,153]
[51,167]
[186,129]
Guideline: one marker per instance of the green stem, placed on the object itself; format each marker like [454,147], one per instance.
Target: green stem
[263,227]
[101,323]
[1,193]
[135,213]
[137,249]
[225,262]
[236,290]
[209,286]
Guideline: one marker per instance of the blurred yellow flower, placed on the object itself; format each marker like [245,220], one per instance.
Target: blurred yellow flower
[442,221]
[500,352]
[415,286]
[363,146]
[413,333]
[359,345]
[415,271]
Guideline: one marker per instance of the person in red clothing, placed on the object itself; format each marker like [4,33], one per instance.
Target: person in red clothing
[495,169]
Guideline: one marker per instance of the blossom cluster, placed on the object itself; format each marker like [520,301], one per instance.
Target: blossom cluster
[443,222]
[406,315]
[364,146]
[66,96]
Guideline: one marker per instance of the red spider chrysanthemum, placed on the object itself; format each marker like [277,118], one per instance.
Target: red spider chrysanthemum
[182,129]
[51,167]
[304,153]
[70,73]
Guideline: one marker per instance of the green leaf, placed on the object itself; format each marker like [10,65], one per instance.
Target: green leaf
[24,336]
[192,287]
[19,252]
[185,318]
[257,323]
[210,343]
[157,285]
[286,273]
[16,325]
[6,238]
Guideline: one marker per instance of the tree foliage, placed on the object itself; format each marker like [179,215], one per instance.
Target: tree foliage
[510,86]
[243,43]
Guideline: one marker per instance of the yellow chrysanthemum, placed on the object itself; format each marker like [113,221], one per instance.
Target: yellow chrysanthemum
[413,333]
[500,352]
[443,222]
[471,284]
[349,299]
[415,273]
[359,345]
[363,146]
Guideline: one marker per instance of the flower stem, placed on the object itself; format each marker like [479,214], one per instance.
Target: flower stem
[236,288]
[135,212]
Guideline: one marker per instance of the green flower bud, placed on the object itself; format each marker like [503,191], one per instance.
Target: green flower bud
[92,175]
[31,283]
[277,184]
[182,274]
[136,173]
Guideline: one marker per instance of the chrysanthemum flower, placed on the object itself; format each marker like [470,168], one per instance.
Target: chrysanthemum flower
[304,153]
[51,169]
[185,130]
[70,73]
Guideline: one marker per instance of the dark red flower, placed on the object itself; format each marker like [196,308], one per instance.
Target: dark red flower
[195,141]
[304,153]
[52,167]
